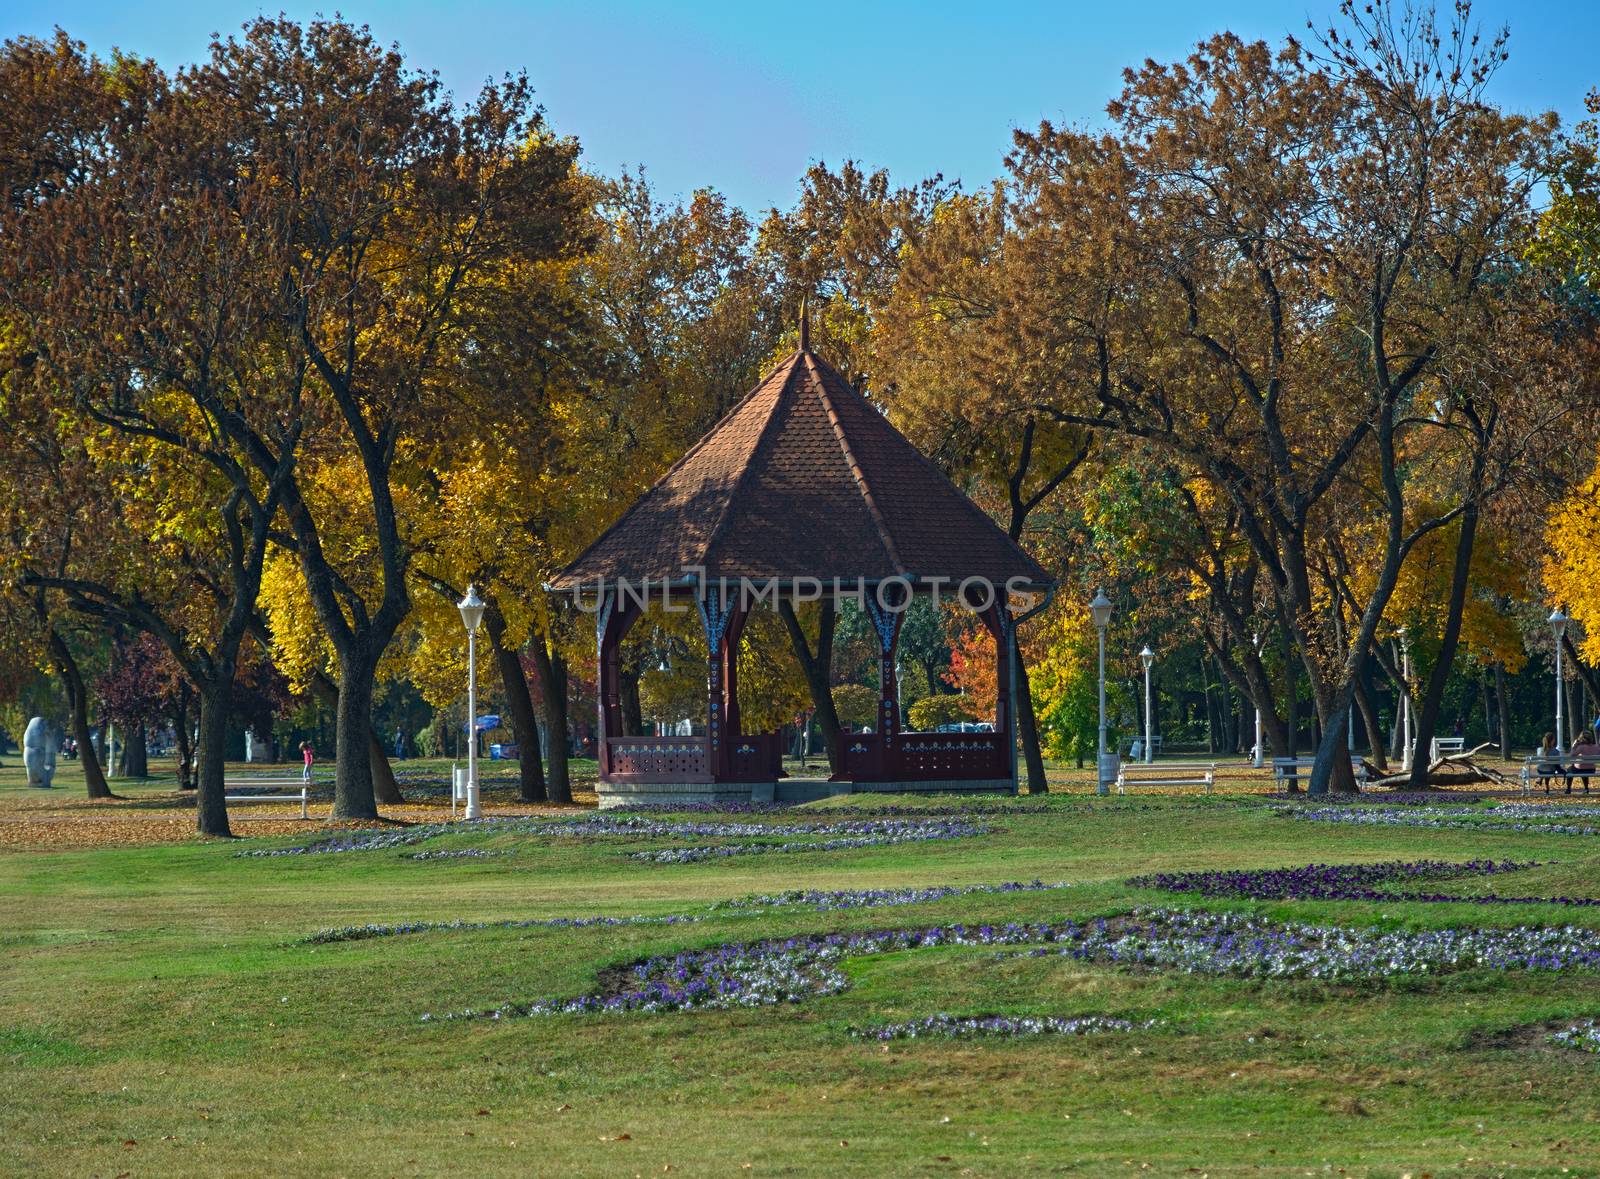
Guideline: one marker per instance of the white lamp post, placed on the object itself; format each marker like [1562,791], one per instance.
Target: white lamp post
[1558,628]
[471,608]
[1148,657]
[1100,611]
[1257,755]
[1405,700]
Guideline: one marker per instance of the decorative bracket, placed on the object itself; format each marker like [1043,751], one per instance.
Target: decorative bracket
[602,619]
[885,622]
[715,615]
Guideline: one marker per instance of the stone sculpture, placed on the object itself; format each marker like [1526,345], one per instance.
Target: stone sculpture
[39,752]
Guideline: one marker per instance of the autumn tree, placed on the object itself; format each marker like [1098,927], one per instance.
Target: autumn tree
[144,260]
[1291,248]
[399,210]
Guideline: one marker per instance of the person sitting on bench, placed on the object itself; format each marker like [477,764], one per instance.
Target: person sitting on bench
[1549,762]
[1585,754]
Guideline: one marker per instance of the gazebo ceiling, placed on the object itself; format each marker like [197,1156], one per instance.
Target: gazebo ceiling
[803,478]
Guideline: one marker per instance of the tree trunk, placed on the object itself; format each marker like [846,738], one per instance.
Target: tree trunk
[181,733]
[550,670]
[524,724]
[385,787]
[1028,728]
[1581,670]
[818,670]
[1433,698]
[78,705]
[1483,693]
[1369,721]
[632,712]
[1504,707]
[136,753]
[353,796]
[1291,706]
[210,803]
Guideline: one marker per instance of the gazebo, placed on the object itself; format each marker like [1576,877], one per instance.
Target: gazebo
[803,488]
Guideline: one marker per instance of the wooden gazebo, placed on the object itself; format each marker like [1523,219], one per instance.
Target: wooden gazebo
[803,488]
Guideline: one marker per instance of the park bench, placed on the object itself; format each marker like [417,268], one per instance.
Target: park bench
[1544,767]
[295,790]
[1445,746]
[1166,773]
[1291,769]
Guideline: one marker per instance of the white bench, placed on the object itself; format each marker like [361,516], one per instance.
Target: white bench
[1292,769]
[1548,767]
[1166,773]
[1447,745]
[299,786]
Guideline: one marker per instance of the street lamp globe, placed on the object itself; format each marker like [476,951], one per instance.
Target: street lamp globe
[1558,623]
[1100,610]
[1147,657]
[471,608]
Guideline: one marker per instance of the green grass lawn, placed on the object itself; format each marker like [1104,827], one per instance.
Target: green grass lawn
[158,1016]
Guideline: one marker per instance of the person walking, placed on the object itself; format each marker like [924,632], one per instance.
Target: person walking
[399,744]
[305,749]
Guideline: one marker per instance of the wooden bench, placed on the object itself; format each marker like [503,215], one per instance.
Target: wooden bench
[1292,769]
[1166,773]
[300,787]
[1546,768]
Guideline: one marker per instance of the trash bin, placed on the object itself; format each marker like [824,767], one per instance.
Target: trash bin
[1110,763]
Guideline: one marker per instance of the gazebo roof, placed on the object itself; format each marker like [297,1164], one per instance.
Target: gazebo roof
[803,478]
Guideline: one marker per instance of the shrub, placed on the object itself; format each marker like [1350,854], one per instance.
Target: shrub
[932,711]
[856,704]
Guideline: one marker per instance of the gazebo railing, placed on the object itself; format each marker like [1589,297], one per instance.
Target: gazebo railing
[931,757]
[753,757]
[658,759]
[756,757]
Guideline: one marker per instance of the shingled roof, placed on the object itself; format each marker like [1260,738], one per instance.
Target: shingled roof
[803,478]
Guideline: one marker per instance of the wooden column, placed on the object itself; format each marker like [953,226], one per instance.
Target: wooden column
[715,617]
[730,674]
[887,625]
[997,623]
[611,626]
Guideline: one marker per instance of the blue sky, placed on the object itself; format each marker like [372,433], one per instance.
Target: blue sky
[743,96]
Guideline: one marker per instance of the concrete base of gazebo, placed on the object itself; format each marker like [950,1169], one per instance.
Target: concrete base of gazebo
[944,786]
[660,794]
[613,795]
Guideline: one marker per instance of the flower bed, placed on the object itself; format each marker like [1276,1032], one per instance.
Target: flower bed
[822,835]
[970,1027]
[867,833]
[788,970]
[1541,818]
[361,933]
[871,898]
[1585,1036]
[1349,882]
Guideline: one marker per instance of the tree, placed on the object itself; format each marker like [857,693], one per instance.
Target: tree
[140,268]
[402,216]
[1268,269]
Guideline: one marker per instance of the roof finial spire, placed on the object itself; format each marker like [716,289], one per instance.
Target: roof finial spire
[805,323]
